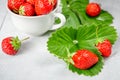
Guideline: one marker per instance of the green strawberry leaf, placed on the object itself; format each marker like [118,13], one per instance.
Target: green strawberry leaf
[61,40]
[83,37]
[75,13]
[104,17]
[71,19]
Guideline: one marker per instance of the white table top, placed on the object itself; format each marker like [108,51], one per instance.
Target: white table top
[34,62]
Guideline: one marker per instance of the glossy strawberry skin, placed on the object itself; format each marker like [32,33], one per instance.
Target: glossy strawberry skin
[31,1]
[15,4]
[84,59]
[93,9]
[27,9]
[44,6]
[7,46]
[105,48]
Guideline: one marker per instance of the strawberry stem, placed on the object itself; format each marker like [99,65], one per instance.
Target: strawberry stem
[68,52]
[97,38]
[69,57]
[24,39]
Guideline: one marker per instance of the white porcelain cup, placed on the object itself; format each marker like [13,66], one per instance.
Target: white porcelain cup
[37,25]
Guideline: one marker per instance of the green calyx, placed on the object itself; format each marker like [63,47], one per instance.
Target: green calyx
[16,43]
[21,10]
[99,40]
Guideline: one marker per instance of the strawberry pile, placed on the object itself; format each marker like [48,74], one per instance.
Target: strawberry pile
[32,7]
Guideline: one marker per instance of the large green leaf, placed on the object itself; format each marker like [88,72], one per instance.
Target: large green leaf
[75,13]
[78,33]
[104,17]
[71,18]
[61,40]
[84,37]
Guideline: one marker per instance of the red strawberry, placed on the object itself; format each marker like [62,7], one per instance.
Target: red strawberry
[31,1]
[84,59]
[44,6]
[11,45]
[93,9]
[105,48]
[15,4]
[26,9]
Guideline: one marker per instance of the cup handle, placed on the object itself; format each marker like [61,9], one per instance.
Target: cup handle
[62,21]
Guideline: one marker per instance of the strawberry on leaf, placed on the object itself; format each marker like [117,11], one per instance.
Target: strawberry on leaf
[83,37]
[105,47]
[75,12]
[84,59]
[93,9]
[93,70]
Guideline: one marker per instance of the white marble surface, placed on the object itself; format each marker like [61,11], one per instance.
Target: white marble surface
[34,62]
[2,12]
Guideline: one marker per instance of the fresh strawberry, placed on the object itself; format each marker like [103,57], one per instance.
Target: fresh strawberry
[15,4]
[105,48]
[93,9]
[11,45]
[44,6]
[84,59]
[31,1]
[26,9]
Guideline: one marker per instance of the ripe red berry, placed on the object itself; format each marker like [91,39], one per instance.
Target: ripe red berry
[84,59]
[31,1]
[44,6]
[11,45]
[93,9]
[26,9]
[105,48]
[15,4]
